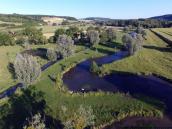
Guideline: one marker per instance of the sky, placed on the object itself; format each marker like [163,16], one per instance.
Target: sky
[117,9]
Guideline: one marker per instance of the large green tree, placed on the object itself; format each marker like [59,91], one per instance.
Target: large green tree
[35,36]
[93,37]
[65,46]
[27,70]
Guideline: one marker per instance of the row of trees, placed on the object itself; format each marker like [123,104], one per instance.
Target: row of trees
[146,23]
[30,34]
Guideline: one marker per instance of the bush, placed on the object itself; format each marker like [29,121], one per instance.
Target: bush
[93,37]
[6,39]
[111,33]
[35,122]
[51,55]
[20,41]
[94,68]
[51,39]
[27,70]
[81,119]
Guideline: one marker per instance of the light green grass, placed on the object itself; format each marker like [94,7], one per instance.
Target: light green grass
[165,32]
[7,55]
[147,61]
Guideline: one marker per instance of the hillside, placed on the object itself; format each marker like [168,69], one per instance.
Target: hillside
[163,17]
[29,18]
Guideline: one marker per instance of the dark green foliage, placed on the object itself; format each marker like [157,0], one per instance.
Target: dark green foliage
[93,37]
[146,23]
[111,33]
[51,39]
[126,29]
[6,39]
[103,37]
[19,107]
[35,36]
[94,68]
[20,40]
[72,31]
[59,32]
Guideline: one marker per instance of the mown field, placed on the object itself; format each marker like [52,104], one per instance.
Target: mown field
[7,56]
[154,58]
[165,33]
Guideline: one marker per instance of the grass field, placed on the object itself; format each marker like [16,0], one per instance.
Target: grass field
[155,57]
[7,55]
[165,32]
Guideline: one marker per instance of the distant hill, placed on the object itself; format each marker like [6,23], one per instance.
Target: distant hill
[29,18]
[163,17]
[97,19]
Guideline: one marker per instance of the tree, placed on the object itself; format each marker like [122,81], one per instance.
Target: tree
[132,45]
[35,122]
[94,68]
[111,33]
[51,55]
[59,32]
[35,36]
[81,119]
[65,46]
[126,29]
[103,37]
[126,39]
[93,37]
[72,31]
[27,70]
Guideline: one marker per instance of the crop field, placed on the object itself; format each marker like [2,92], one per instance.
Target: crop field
[164,32]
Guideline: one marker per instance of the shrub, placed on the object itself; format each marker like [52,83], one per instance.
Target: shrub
[6,39]
[93,37]
[94,68]
[35,122]
[81,119]
[111,33]
[51,39]
[27,70]
[103,37]
[51,55]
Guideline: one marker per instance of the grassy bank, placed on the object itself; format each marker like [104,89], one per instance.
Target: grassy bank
[7,56]
[154,58]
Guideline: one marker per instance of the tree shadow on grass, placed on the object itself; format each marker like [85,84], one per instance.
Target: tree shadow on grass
[11,69]
[161,49]
[19,107]
[40,52]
